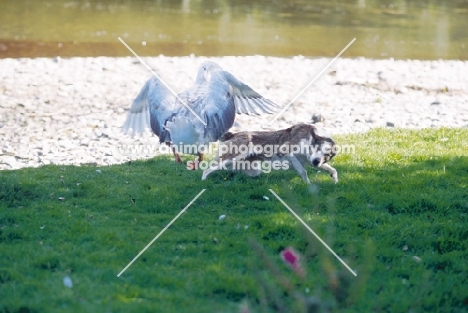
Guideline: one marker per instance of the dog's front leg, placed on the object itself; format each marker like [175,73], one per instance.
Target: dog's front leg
[299,168]
[331,170]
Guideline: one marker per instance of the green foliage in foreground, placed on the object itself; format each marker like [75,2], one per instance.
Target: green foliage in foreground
[398,217]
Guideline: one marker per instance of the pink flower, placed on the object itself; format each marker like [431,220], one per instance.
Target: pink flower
[291,257]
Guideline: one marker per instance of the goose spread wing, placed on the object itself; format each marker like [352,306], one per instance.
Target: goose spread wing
[138,118]
[247,100]
[217,107]
[153,106]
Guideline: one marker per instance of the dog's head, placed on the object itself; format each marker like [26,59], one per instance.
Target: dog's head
[322,147]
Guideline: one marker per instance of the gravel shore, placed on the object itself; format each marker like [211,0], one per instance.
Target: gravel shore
[69,111]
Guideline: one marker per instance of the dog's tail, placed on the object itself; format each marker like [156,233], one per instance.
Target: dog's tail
[226,136]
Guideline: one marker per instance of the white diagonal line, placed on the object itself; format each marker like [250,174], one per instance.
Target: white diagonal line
[313,233]
[161,232]
[162,81]
[311,82]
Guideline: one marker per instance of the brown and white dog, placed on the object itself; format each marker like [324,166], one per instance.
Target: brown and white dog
[297,145]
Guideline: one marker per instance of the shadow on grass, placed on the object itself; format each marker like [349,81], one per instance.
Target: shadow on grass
[401,225]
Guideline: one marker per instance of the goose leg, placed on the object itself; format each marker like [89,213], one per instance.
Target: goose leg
[194,164]
[176,155]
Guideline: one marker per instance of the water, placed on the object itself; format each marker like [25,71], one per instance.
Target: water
[383,28]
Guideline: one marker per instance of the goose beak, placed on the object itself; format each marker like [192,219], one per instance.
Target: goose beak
[207,75]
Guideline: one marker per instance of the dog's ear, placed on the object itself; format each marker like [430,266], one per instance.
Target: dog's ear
[313,130]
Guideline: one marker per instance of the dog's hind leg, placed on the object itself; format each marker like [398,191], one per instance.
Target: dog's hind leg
[218,166]
[331,170]
[208,172]
[299,168]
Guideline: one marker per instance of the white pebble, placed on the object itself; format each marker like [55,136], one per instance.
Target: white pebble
[377,93]
[67,282]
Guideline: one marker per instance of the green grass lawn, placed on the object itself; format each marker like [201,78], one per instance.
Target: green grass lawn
[398,217]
